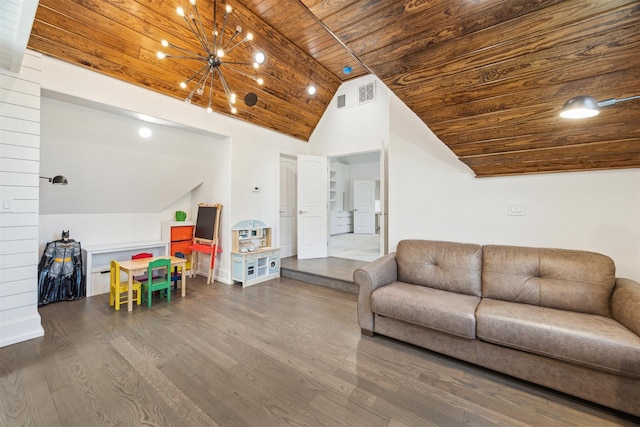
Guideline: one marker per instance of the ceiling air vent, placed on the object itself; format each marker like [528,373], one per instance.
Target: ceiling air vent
[367,93]
[342,101]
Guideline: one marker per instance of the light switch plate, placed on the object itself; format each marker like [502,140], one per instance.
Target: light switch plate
[515,209]
[7,205]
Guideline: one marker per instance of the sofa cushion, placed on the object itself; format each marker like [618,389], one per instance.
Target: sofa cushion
[448,266]
[441,310]
[585,339]
[556,278]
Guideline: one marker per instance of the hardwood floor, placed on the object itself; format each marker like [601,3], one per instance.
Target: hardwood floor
[282,352]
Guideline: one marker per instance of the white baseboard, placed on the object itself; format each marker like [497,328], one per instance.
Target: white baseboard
[20,330]
[220,274]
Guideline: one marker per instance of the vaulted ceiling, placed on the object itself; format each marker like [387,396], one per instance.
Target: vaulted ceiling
[488,77]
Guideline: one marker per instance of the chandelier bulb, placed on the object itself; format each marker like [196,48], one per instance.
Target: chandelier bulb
[212,62]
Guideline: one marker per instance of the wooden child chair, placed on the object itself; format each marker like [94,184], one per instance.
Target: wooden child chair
[161,283]
[119,290]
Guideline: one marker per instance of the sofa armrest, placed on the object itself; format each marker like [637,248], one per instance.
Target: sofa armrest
[625,304]
[378,273]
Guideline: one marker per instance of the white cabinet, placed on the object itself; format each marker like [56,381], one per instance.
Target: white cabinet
[340,222]
[253,258]
[255,267]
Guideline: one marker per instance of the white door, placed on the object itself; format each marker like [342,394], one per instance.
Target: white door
[312,207]
[364,219]
[287,206]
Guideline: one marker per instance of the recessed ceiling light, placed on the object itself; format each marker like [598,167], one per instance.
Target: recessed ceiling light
[311,89]
[144,132]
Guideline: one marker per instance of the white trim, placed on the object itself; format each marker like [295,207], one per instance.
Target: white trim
[21,330]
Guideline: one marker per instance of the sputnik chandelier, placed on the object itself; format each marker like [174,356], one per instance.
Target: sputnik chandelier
[213,57]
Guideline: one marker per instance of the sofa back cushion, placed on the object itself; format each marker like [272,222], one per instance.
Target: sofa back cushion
[557,278]
[454,267]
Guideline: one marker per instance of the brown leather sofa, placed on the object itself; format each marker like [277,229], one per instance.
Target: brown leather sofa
[554,317]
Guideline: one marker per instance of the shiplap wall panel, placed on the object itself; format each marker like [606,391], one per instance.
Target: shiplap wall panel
[19,152]
[18,233]
[21,246]
[20,125]
[19,183]
[19,165]
[14,287]
[27,100]
[12,315]
[19,139]
[20,112]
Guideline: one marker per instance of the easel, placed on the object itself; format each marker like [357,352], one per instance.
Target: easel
[205,235]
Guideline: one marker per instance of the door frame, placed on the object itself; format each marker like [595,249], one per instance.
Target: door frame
[384,188]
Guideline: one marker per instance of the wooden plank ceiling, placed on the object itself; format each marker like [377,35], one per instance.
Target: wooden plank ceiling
[488,77]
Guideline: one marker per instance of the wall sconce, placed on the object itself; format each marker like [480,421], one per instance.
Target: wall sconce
[58,179]
[584,106]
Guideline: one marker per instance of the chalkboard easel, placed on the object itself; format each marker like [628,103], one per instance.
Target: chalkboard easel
[207,224]
[205,234]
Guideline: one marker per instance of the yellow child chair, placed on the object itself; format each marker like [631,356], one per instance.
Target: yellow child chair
[160,284]
[118,291]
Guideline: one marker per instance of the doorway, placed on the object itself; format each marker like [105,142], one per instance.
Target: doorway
[342,242]
[354,206]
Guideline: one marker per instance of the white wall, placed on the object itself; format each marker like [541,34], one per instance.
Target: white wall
[19,164]
[433,196]
[110,168]
[243,156]
[354,128]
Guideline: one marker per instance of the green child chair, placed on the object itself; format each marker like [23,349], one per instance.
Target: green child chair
[157,284]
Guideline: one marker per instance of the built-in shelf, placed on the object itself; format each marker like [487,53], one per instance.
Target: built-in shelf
[97,258]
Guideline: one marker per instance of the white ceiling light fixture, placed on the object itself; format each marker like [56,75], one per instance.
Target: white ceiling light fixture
[144,132]
[214,55]
[311,90]
[582,107]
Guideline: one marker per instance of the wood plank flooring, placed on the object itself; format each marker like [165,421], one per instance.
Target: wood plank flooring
[282,352]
